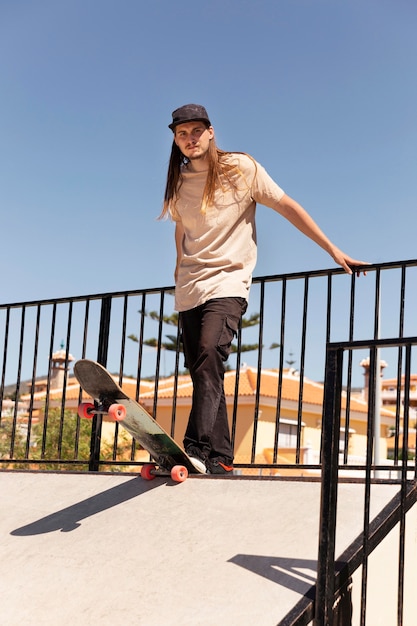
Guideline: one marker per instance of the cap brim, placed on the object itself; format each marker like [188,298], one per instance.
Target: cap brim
[194,119]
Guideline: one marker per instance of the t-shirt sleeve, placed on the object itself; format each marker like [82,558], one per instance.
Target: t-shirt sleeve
[264,189]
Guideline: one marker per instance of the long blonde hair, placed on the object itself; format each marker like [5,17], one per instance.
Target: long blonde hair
[218,170]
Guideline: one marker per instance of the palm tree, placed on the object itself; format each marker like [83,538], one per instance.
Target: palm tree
[172,343]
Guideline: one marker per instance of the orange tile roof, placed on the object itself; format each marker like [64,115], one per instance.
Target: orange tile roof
[393,381]
[73,389]
[312,392]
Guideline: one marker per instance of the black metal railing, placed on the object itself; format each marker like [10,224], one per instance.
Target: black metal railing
[290,320]
[331,603]
[328,584]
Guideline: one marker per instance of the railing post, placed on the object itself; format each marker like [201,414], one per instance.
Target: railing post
[103,345]
[330,461]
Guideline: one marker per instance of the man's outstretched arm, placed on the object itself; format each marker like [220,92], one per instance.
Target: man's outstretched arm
[298,216]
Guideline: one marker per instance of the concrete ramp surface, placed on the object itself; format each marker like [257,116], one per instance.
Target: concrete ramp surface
[114,549]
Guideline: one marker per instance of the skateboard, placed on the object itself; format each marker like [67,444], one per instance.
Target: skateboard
[109,399]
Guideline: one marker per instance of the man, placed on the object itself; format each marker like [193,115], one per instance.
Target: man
[211,195]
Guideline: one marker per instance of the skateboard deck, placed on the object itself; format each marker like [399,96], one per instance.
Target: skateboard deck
[110,399]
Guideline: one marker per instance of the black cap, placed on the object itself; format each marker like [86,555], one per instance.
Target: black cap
[189,113]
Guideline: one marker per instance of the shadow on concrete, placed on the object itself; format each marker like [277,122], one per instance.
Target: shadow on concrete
[287,572]
[69,519]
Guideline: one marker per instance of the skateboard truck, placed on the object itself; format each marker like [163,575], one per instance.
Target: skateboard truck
[116,412]
[178,473]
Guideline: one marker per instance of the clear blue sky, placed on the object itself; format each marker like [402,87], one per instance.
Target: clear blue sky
[322,93]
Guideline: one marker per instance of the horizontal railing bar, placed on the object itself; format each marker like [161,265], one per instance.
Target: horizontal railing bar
[42,462]
[99,296]
[359,344]
[335,270]
[156,290]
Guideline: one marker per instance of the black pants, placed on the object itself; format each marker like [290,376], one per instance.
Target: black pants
[207,334]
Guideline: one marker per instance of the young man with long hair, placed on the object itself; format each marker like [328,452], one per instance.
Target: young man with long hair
[212,195]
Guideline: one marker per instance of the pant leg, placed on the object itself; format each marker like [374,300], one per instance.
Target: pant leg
[207,333]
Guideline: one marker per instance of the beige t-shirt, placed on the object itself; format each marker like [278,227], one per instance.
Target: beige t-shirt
[219,246]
